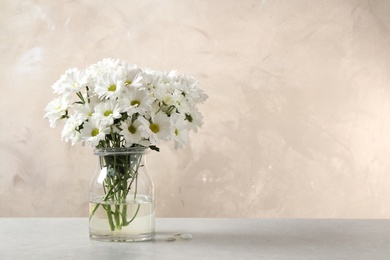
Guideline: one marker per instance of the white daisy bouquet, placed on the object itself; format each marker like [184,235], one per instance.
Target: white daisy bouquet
[114,104]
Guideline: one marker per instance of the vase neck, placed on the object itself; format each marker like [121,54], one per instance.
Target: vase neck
[122,150]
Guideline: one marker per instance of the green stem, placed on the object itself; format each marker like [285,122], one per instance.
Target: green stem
[117,217]
[124,215]
[109,216]
[81,97]
[136,213]
[109,193]
[117,188]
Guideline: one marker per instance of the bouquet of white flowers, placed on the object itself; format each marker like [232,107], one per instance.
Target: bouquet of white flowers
[117,104]
[114,104]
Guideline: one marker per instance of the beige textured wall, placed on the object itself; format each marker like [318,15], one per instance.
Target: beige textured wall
[297,123]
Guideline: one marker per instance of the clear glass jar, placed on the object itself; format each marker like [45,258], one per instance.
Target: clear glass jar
[122,196]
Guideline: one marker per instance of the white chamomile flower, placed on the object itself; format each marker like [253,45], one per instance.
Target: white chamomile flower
[136,101]
[93,132]
[191,89]
[72,81]
[132,76]
[167,100]
[110,85]
[104,66]
[158,129]
[172,76]
[131,132]
[71,128]
[86,111]
[107,111]
[180,132]
[153,82]
[57,109]
[194,119]
[180,101]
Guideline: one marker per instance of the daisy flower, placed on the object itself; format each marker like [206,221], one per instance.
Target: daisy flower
[195,119]
[179,131]
[71,128]
[110,86]
[131,132]
[159,128]
[136,101]
[72,81]
[106,112]
[104,66]
[180,101]
[191,89]
[153,82]
[93,132]
[86,111]
[132,76]
[57,109]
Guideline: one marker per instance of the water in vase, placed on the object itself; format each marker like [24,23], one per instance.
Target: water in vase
[130,221]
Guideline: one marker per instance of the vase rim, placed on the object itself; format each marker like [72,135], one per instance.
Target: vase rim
[121,150]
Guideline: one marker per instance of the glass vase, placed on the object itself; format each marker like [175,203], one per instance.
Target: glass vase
[122,196]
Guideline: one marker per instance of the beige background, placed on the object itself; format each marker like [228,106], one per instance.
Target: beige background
[297,123]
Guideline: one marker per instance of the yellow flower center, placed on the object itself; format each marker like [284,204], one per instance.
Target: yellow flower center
[135,103]
[95,132]
[154,127]
[112,87]
[132,129]
[108,112]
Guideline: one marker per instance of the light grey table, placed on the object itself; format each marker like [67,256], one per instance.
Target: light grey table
[67,238]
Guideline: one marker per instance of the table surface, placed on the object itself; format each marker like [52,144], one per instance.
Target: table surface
[68,238]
